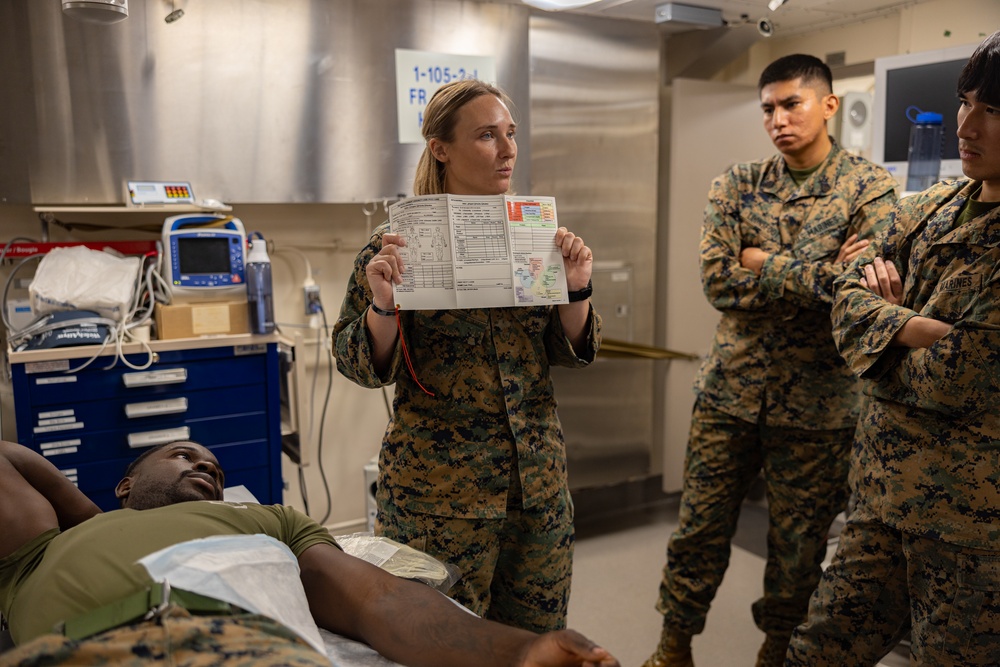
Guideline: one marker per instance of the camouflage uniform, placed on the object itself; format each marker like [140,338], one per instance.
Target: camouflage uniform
[773,392]
[928,460]
[175,638]
[515,571]
[488,440]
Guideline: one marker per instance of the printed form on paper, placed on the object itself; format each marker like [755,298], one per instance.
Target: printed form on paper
[468,251]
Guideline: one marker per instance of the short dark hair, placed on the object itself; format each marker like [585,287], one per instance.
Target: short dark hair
[145,455]
[981,75]
[797,66]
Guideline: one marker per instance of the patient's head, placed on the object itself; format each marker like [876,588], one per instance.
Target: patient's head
[172,473]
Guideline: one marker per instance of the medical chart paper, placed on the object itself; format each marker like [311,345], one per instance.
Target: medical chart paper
[468,251]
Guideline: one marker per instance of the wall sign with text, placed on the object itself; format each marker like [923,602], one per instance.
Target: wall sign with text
[420,73]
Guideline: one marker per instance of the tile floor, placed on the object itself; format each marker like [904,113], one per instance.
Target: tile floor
[616,578]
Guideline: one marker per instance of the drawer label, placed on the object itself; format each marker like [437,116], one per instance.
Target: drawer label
[162,376]
[257,348]
[47,366]
[60,447]
[59,450]
[59,379]
[57,420]
[75,442]
[150,438]
[56,413]
[152,408]
[57,427]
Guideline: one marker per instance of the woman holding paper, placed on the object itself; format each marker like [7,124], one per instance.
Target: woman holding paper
[472,468]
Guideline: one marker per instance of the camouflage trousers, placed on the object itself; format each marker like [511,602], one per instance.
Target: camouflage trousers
[805,475]
[175,638]
[883,583]
[515,570]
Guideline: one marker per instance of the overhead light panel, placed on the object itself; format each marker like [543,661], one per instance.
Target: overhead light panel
[774,4]
[558,5]
[688,16]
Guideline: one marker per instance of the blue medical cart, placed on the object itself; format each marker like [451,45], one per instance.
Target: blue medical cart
[222,392]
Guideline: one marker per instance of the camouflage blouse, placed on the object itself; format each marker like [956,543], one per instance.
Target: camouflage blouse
[452,454]
[772,350]
[928,457]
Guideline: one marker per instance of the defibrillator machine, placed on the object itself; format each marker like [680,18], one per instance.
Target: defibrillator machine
[204,257]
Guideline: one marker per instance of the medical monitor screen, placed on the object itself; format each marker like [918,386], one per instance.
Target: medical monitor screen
[203,255]
[929,87]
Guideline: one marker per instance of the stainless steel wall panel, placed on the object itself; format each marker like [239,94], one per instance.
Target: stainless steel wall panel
[594,141]
[595,115]
[17,123]
[252,101]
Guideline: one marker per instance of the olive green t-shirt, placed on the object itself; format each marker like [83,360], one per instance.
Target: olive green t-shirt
[61,575]
[974,208]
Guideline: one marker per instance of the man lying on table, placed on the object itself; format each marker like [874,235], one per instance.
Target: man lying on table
[72,589]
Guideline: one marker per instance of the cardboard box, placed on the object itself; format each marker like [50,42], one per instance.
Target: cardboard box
[188,320]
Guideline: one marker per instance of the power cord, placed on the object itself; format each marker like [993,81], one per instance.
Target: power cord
[322,419]
[314,307]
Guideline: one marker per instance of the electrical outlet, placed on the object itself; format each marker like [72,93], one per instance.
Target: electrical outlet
[311,295]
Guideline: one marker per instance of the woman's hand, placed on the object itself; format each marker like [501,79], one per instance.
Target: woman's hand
[385,269]
[578,258]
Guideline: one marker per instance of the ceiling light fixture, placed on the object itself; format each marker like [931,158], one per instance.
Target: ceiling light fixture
[96,11]
[558,5]
[774,4]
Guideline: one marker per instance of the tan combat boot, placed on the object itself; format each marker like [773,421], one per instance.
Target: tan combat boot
[674,651]
[772,652]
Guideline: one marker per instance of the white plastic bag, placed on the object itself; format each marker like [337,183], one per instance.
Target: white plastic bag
[400,560]
[78,278]
[255,572]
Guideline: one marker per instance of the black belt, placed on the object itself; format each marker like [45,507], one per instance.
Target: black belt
[144,604]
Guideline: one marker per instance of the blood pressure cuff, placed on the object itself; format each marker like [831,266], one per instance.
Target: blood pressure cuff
[69,328]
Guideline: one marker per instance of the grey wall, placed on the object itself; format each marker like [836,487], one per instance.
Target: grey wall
[250,101]
[730,115]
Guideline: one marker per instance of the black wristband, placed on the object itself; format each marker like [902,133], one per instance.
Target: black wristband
[379,311]
[582,294]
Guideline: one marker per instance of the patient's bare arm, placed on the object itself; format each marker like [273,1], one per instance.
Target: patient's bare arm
[35,497]
[415,625]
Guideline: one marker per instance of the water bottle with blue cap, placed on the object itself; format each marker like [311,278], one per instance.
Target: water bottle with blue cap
[926,140]
[259,295]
